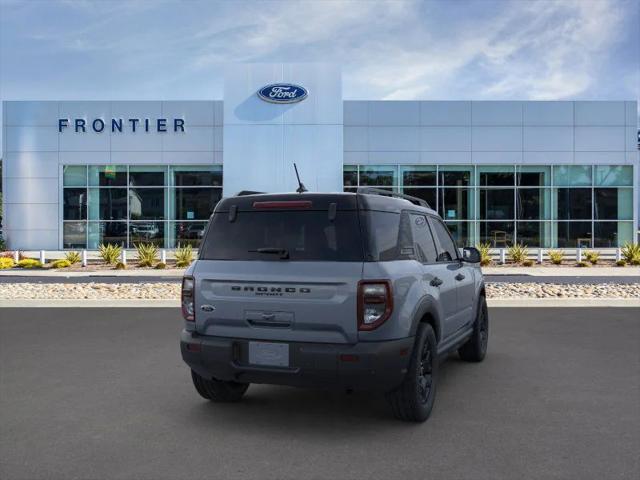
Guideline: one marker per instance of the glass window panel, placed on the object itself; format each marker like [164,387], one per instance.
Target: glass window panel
[614,175]
[351,189]
[574,234]
[107,232]
[455,175]
[496,203]
[74,176]
[423,246]
[194,203]
[418,175]
[573,203]
[107,204]
[107,176]
[426,194]
[572,175]
[74,235]
[612,234]
[497,175]
[497,234]
[533,203]
[534,234]
[146,232]
[75,204]
[146,203]
[456,203]
[460,232]
[534,176]
[379,175]
[187,233]
[613,203]
[350,175]
[147,175]
[447,250]
[197,176]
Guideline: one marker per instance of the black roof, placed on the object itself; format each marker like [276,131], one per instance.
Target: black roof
[360,200]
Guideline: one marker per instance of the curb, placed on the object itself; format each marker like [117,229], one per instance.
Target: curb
[563,302]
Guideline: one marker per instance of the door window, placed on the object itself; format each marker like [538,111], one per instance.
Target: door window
[447,251]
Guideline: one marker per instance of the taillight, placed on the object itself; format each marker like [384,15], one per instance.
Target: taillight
[375,303]
[187,299]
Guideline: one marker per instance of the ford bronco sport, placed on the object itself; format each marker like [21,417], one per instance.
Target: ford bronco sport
[361,290]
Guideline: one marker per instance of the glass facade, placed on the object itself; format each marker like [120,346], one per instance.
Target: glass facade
[546,206]
[127,205]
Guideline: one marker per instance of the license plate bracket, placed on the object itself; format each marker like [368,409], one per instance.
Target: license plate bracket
[269,354]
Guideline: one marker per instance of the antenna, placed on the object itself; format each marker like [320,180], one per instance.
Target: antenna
[301,188]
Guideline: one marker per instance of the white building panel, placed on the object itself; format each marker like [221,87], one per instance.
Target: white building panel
[133,158]
[86,110]
[600,113]
[218,139]
[443,113]
[631,109]
[600,139]
[496,113]
[32,239]
[548,139]
[82,158]
[30,165]
[498,158]
[185,158]
[445,139]
[394,139]
[90,141]
[399,113]
[356,139]
[438,158]
[547,158]
[31,139]
[30,191]
[381,158]
[606,158]
[195,112]
[323,105]
[31,113]
[631,139]
[29,216]
[496,139]
[196,139]
[548,113]
[356,112]
[355,158]
[136,109]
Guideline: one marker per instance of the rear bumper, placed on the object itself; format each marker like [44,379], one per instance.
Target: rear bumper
[364,366]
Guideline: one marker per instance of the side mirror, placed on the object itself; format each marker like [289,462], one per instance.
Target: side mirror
[471,255]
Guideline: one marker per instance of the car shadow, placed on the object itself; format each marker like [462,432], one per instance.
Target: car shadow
[297,410]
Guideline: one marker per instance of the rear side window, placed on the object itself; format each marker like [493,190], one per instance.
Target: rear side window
[265,235]
[447,250]
[422,239]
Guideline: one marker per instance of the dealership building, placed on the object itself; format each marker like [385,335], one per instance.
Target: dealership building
[546,174]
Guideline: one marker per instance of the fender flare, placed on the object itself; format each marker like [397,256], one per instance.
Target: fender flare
[426,306]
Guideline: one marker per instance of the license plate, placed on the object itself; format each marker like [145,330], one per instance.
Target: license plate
[271,354]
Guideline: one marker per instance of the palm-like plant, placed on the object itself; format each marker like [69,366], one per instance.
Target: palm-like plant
[147,254]
[184,256]
[518,253]
[110,252]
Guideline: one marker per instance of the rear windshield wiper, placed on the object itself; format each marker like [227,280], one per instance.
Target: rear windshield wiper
[283,252]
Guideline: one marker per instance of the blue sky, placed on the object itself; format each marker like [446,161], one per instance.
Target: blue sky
[451,49]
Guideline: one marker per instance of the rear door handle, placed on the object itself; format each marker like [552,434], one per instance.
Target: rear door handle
[460,277]
[436,282]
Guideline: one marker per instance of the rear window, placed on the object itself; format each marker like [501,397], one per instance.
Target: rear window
[284,235]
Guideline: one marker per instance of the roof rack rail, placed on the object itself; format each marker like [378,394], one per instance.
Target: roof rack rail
[389,193]
[242,193]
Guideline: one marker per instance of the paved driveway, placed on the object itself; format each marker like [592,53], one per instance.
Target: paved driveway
[102,393]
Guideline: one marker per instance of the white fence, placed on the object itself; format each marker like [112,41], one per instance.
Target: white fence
[88,255]
[541,255]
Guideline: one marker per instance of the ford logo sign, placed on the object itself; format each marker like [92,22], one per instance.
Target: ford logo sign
[283,93]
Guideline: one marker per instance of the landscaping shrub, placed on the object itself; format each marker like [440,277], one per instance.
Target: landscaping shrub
[556,256]
[631,253]
[73,257]
[485,256]
[592,256]
[582,263]
[120,266]
[147,254]
[518,253]
[621,263]
[61,263]
[6,262]
[527,263]
[184,256]
[110,253]
[9,254]
[161,266]
[29,263]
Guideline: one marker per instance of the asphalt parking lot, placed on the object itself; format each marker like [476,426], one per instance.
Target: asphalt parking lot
[103,394]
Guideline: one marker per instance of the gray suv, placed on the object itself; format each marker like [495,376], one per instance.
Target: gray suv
[358,291]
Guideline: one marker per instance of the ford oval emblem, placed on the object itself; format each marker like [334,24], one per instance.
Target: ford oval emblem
[283,93]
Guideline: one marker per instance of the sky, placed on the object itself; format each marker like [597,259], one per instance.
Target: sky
[401,50]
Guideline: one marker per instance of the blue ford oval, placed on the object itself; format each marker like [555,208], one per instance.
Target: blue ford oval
[283,93]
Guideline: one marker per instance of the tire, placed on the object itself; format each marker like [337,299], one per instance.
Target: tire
[475,349]
[217,390]
[413,400]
